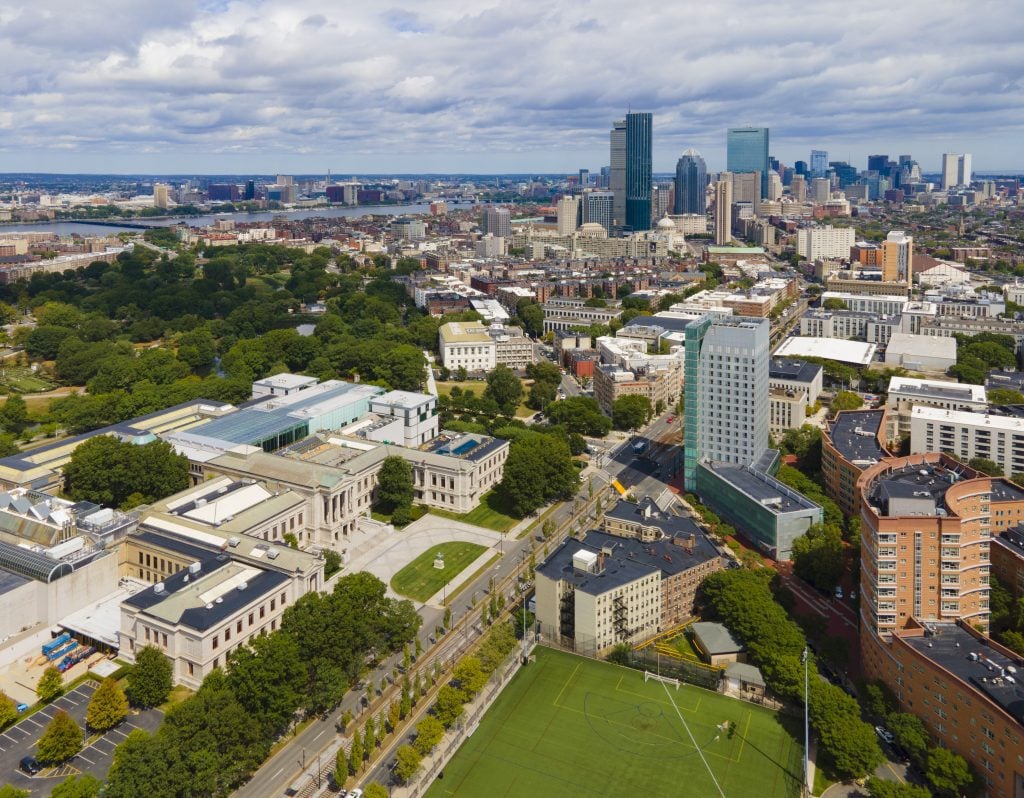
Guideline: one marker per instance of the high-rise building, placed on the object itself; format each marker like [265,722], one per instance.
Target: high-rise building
[747,151]
[691,184]
[568,215]
[774,187]
[819,163]
[897,257]
[878,163]
[638,170]
[598,207]
[963,176]
[250,189]
[161,194]
[584,178]
[497,222]
[821,190]
[617,173]
[801,168]
[746,187]
[726,392]
[950,170]
[723,209]
[798,188]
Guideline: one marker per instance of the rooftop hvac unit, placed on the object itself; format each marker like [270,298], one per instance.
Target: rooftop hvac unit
[195,567]
[273,554]
[159,587]
[234,541]
[243,585]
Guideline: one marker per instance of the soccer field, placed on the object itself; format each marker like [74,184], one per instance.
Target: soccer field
[569,726]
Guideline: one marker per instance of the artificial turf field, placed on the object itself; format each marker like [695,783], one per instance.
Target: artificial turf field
[571,727]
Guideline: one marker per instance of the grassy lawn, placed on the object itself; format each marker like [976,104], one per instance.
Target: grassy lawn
[420,580]
[22,380]
[684,647]
[478,386]
[491,513]
[576,728]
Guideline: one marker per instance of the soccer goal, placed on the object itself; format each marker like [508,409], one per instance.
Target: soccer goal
[659,678]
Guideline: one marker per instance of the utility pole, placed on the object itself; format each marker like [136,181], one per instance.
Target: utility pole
[807,733]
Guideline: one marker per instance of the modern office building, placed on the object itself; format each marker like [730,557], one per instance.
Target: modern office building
[638,171]
[950,170]
[726,392]
[568,215]
[466,345]
[617,174]
[967,435]
[691,184]
[598,208]
[723,209]
[819,163]
[798,188]
[796,375]
[497,222]
[897,257]
[747,151]
[161,194]
[963,175]
[821,190]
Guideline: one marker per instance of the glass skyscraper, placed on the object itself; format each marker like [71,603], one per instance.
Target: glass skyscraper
[638,171]
[747,151]
[691,184]
[819,163]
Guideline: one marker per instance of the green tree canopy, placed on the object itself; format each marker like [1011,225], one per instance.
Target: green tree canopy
[845,400]
[818,556]
[832,303]
[149,680]
[879,788]
[51,684]
[538,469]
[579,414]
[407,762]
[505,388]
[61,739]
[394,483]
[948,774]
[986,466]
[429,732]
[84,785]
[108,471]
[107,707]
[631,412]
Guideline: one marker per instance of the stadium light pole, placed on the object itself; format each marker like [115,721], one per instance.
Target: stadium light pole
[807,734]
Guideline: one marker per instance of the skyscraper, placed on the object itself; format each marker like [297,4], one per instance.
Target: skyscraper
[638,170]
[963,176]
[568,215]
[878,163]
[950,170]
[691,184]
[584,178]
[597,207]
[497,222]
[617,173]
[747,151]
[819,163]
[160,195]
[726,392]
[798,188]
[723,209]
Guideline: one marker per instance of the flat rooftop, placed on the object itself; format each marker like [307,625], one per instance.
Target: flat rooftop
[1005,491]
[780,368]
[975,662]
[858,353]
[998,378]
[406,399]
[918,489]
[936,389]
[967,418]
[765,490]
[854,434]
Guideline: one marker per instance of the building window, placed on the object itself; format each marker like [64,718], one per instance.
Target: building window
[216,641]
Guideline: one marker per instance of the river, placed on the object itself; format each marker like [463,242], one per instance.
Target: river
[80,228]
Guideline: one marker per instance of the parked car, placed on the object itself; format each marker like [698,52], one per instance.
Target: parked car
[885,734]
[354,794]
[22,707]
[30,765]
[839,591]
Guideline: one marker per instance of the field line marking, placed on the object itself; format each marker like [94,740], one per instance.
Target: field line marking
[692,740]
[743,739]
[572,676]
[657,700]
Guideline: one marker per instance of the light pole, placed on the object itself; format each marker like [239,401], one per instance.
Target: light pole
[807,733]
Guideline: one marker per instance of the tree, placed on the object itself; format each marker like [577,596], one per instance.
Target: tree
[332,563]
[429,732]
[818,556]
[341,772]
[579,414]
[631,412]
[7,791]
[879,788]
[407,762]
[448,706]
[355,754]
[61,740]
[910,734]
[51,684]
[948,774]
[539,468]
[504,388]
[149,681]
[85,785]
[370,736]
[834,304]
[107,471]
[8,710]
[107,707]
[845,400]
[986,466]
[14,414]
[268,660]
[470,675]
[395,485]
[375,790]
[1005,396]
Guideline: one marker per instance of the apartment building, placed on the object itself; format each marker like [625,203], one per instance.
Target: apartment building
[787,409]
[796,375]
[967,435]
[906,393]
[564,314]
[825,241]
[851,442]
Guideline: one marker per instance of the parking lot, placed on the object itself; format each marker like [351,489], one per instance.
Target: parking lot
[20,741]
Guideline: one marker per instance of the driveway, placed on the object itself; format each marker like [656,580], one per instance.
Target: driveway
[20,741]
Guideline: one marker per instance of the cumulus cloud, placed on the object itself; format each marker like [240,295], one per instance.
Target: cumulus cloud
[505,85]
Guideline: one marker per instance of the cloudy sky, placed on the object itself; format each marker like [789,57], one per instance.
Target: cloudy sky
[490,86]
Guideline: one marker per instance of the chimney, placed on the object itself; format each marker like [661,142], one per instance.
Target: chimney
[600,562]
[691,543]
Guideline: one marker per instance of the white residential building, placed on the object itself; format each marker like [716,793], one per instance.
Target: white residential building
[968,435]
[467,345]
[825,242]
[906,393]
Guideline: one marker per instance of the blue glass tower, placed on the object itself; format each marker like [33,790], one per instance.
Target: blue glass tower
[691,184]
[747,151]
[638,170]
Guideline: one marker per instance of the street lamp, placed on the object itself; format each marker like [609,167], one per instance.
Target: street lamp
[807,733]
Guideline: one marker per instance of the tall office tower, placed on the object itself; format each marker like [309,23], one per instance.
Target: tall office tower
[878,163]
[746,187]
[691,184]
[747,151]
[821,190]
[726,392]
[798,188]
[774,186]
[950,169]
[638,170]
[598,207]
[568,215]
[661,199]
[617,173]
[603,181]
[723,209]
[897,257]
[801,168]
[160,195]
[963,173]
[497,222]
[584,178]
[285,180]
[250,189]
[819,163]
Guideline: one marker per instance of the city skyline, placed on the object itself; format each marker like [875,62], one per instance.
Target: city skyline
[219,87]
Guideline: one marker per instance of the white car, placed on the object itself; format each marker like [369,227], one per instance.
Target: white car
[354,794]
[839,591]
[885,734]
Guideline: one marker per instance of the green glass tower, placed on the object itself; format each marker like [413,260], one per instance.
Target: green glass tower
[638,170]
[747,151]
